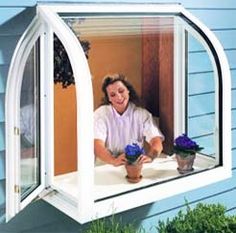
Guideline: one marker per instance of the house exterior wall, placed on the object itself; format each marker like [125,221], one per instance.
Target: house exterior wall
[219,16]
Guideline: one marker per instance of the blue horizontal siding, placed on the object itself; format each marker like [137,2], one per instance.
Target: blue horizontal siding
[2,192]
[3,77]
[227,38]
[233,94]
[7,13]
[202,60]
[201,83]
[231,54]
[201,104]
[2,165]
[202,125]
[233,78]
[2,136]
[2,200]
[234,158]
[234,118]
[194,45]
[216,19]
[234,138]
[205,103]
[208,144]
[10,17]
[2,109]
[7,47]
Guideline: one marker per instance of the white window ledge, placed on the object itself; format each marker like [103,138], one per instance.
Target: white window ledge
[111,181]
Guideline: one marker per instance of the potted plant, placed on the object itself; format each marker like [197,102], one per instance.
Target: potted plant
[185,150]
[133,167]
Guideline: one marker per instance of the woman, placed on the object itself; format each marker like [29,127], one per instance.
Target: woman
[119,121]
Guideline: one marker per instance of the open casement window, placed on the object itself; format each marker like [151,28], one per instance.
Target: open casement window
[174,62]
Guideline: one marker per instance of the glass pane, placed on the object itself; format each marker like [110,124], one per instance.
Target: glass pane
[143,49]
[29,125]
[201,108]
[65,124]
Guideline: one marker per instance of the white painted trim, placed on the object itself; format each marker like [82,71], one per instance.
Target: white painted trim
[138,198]
[115,177]
[12,106]
[159,192]
[113,8]
[84,100]
[44,110]
[48,98]
[226,89]
[198,37]
[179,79]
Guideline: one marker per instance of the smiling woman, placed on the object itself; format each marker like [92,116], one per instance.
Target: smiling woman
[113,121]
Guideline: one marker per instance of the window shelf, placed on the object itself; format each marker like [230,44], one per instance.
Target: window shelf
[110,181]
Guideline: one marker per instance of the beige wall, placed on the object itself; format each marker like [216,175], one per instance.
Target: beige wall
[107,55]
[115,54]
[64,129]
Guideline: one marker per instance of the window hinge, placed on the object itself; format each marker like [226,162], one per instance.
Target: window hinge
[48,191]
[16,131]
[17,189]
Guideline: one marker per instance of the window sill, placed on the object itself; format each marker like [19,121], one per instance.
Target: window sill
[110,181]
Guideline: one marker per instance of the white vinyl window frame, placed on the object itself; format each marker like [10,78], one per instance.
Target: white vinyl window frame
[180,82]
[85,208]
[12,113]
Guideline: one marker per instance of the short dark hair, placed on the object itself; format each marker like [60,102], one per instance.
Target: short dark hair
[110,79]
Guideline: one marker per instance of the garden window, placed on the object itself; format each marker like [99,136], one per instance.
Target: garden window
[174,62]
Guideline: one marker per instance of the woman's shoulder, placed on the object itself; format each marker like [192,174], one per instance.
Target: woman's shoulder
[140,110]
[102,110]
[141,113]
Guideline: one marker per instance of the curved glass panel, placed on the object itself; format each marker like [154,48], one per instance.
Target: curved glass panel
[29,125]
[201,91]
[65,125]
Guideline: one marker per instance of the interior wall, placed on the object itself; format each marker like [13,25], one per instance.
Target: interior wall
[65,149]
[114,54]
[108,55]
[166,88]
[158,76]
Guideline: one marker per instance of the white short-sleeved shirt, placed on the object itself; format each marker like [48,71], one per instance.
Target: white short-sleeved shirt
[134,126]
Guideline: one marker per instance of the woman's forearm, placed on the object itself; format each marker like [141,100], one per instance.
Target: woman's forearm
[155,147]
[105,155]
[102,153]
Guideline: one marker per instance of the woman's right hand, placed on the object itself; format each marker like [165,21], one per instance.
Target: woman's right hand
[144,159]
[120,160]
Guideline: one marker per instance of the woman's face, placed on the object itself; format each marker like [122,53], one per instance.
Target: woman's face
[118,95]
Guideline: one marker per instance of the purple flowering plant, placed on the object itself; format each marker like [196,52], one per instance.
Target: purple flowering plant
[133,152]
[185,146]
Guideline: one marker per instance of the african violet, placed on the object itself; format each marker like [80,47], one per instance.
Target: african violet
[185,146]
[133,152]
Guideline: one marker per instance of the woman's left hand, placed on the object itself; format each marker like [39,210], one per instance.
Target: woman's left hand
[145,159]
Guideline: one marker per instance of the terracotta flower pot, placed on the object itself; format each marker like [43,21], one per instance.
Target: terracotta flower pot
[134,172]
[185,164]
